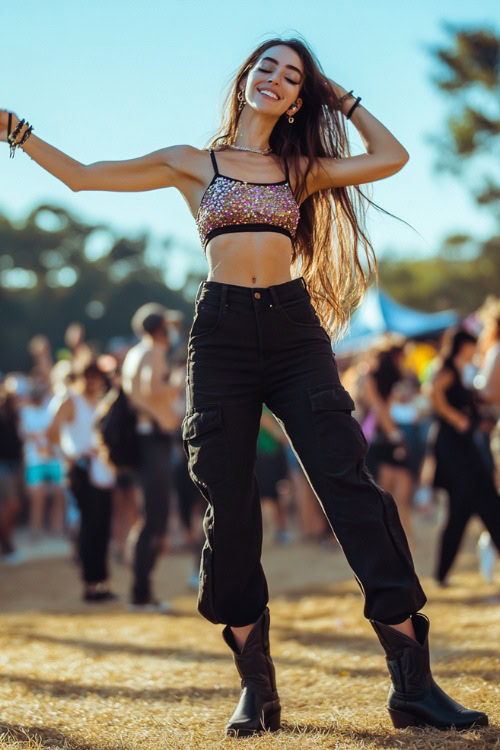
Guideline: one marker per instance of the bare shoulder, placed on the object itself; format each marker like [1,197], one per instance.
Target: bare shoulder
[194,172]
[186,160]
[181,155]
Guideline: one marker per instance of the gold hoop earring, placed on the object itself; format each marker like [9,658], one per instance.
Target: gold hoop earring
[241,100]
[290,120]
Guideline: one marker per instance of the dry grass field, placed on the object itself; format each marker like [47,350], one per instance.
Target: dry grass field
[76,677]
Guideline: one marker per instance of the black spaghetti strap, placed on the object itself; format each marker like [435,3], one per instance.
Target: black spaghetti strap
[214,162]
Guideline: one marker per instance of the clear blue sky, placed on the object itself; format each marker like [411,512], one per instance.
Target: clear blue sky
[114,80]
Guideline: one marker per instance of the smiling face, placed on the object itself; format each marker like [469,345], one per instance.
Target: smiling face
[273,83]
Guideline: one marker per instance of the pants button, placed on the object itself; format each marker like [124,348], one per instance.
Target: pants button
[257,295]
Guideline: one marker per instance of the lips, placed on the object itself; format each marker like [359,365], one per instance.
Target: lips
[263,90]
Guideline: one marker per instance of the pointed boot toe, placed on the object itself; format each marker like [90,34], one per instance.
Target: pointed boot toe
[414,698]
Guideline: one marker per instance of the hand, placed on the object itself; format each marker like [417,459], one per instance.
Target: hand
[462,423]
[4,123]
[337,92]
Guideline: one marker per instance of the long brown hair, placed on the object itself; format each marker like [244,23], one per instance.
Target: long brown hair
[325,252]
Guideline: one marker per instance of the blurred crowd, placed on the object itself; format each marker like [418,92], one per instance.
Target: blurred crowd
[91,449]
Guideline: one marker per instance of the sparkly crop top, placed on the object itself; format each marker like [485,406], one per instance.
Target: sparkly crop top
[231,205]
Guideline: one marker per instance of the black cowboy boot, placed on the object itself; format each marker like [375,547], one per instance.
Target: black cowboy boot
[259,705]
[414,697]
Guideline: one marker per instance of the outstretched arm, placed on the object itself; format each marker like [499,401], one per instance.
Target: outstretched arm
[384,156]
[158,169]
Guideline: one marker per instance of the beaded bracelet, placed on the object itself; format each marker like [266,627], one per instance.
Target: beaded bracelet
[11,137]
[26,135]
[346,96]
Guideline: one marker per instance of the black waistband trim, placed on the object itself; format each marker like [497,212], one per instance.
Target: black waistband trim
[230,228]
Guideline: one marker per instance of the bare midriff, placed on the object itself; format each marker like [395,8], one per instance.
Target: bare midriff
[253,259]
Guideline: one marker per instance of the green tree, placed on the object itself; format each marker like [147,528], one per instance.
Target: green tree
[468,76]
[465,269]
[49,278]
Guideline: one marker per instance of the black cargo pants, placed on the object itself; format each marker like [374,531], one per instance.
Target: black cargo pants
[252,345]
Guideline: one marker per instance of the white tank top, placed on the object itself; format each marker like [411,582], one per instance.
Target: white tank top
[76,436]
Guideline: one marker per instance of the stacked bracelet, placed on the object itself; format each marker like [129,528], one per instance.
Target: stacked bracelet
[345,96]
[11,137]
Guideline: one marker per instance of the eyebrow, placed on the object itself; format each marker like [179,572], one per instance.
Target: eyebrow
[271,59]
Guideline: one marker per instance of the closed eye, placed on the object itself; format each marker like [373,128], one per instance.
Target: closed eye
[270,71]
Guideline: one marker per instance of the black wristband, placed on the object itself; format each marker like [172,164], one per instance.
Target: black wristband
[348,115]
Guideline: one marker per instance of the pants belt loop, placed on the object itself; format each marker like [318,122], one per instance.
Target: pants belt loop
[223,295]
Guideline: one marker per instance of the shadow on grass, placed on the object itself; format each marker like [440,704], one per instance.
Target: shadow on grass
[66,689]
[441,656]
[324,591]
[486,737]
[440,649]
[334,639]
[466,601]
[46,735]
[99,647]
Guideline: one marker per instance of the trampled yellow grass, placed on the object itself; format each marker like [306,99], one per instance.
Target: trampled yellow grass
[93,677]
[109,680]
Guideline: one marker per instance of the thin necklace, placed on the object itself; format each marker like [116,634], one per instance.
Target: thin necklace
[248,148]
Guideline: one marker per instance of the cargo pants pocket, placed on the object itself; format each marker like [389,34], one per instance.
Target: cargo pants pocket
[338,432]
[205,445]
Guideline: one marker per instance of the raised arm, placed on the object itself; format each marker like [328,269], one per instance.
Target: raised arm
[165,167]
[384,156]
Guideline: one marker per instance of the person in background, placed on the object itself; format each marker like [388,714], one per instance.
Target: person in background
[313,524]
[80,351]
[460,467]
[145,380]
[388,455]
[42,464]
[271,470]
[11,452]
[90,477]
[487,380]
[487,383]
[40,350]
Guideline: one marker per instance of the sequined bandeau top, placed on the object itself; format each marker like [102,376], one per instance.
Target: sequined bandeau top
[231,205]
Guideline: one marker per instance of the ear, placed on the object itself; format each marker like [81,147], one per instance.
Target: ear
[294,109]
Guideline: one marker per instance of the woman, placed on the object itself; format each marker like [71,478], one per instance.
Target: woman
[11,457]
[42,464]
[263,203]
[90,477]
[460,468]
[388,458]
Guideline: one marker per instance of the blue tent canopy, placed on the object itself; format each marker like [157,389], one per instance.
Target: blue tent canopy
[379,314]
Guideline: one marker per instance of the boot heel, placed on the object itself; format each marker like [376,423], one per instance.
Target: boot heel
[273,721]
[401,719]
